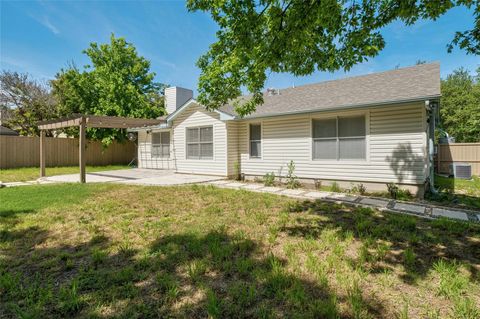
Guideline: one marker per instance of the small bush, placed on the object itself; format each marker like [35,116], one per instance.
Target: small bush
[335,187]
[358,189]
[392,190]
[292,181]
[269,179]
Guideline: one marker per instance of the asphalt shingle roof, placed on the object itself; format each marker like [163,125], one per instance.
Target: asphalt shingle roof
[405,84]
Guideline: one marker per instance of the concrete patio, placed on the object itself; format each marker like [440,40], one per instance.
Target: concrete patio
[136,176]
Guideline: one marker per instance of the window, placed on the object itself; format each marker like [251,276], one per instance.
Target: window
[339,138]
[161,144]
[255,140]
[200,142]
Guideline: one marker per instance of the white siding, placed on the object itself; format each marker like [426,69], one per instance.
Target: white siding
[233,154]
[196,116]
[145,159]
[395,147]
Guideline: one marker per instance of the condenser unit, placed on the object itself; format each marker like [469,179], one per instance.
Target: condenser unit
[461,170]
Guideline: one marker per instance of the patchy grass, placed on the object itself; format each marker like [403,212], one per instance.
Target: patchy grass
[124,251]
[23,174]
[457,192]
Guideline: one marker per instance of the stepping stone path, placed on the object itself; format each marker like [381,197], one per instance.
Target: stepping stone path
[375,202]
[409,208]
[442,212]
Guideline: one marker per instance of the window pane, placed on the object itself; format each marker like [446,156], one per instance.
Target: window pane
[325,149]
[352,148]
[206,134]
[165,150]
[325,128]
[155,138]
[206,150]
[255,132]
[192,135]
[192,150]
[351,126]
[165,138]
[255,149]
[155,151]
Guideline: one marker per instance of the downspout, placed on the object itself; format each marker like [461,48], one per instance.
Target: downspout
[432,110]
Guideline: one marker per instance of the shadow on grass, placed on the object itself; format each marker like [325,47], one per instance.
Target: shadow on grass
[185,275]
[424,241]
[452,192]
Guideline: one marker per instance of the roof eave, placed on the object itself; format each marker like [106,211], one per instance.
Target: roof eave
[346,107]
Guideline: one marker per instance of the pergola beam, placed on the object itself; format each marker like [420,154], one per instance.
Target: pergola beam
[81,151]
[98,122]
[84,121]
[42,153]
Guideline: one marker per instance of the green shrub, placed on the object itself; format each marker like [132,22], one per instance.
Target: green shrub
[392,190]
[292,181]
[358,189]
[269,179]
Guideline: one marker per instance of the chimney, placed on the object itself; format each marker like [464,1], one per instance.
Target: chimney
[175,97]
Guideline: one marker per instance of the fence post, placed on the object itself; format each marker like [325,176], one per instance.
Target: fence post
[81,151]
[42,153]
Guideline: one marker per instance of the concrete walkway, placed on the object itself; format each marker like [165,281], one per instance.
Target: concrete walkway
[410,208]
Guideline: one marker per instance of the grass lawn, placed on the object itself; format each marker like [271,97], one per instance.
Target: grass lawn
[458,191]
[104,251]
[32,173]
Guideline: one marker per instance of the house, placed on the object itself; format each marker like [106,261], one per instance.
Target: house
[7,131]
[372,129]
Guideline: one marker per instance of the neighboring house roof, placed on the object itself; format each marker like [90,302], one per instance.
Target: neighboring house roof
[414,83]
[7,131]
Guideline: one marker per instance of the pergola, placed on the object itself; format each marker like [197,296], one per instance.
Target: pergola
[84,121]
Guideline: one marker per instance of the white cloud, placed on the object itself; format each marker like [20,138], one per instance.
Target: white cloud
[46,22]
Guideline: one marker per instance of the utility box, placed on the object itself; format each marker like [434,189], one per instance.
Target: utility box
[460,170]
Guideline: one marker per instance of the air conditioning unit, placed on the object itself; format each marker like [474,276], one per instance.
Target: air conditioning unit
[461,170]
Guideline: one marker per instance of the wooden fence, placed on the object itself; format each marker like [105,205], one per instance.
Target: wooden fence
[21,151]
[458,152]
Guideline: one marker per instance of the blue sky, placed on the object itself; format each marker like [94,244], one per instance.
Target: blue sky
[41,37]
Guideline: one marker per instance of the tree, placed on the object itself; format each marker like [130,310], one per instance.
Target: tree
[29,100]
[460,106]
[301,36]
[117,83]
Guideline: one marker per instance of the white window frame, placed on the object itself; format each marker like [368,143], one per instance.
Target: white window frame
[199,143]
[249,141]
[161,145]
[337,138]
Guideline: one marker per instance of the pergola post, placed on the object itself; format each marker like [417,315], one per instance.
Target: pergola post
[42,153]
[81,150]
